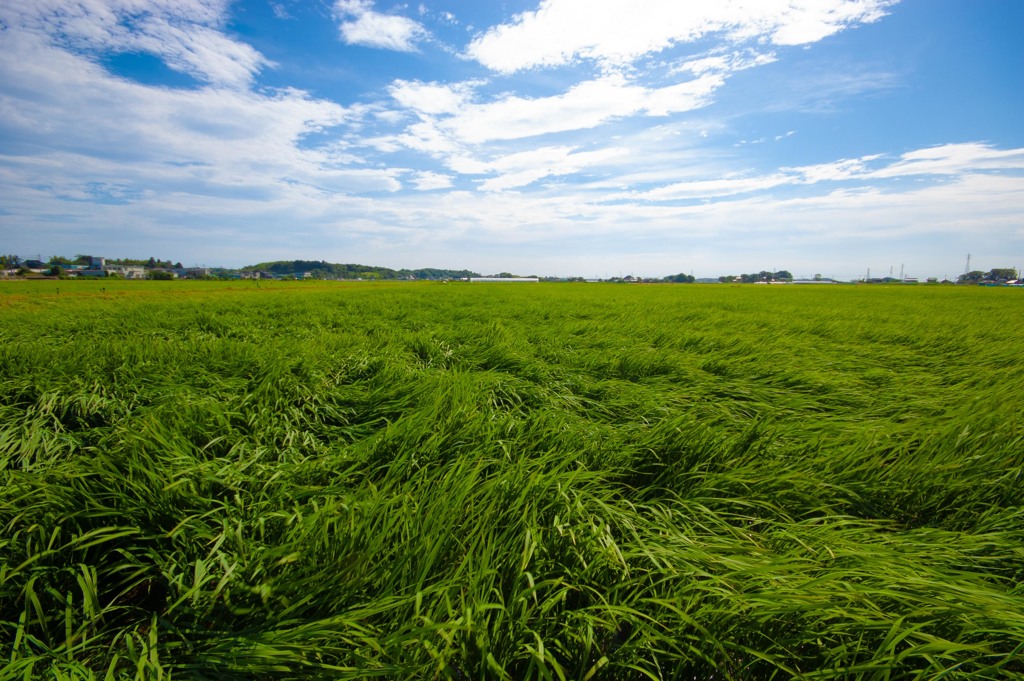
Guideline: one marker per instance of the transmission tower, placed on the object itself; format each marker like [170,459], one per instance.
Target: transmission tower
[967,268]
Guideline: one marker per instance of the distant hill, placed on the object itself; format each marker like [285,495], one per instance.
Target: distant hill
[351,271]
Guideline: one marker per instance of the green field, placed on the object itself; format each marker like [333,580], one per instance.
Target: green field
[528,481]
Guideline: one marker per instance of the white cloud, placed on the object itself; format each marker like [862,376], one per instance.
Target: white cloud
[201,52]
[585,105]
[963,160]
[706,189]
[280,10]
[185,34]
[424,136]
[430,98]
[836,171]
[617,32]
[685,96]
[364,26]
[952,159]
[200,142]
[449,114]
[426,181]
[726,63]
[523,168]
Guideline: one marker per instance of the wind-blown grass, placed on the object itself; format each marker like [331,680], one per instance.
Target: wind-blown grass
[479,482]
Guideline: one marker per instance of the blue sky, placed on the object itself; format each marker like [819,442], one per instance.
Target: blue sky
[551,137]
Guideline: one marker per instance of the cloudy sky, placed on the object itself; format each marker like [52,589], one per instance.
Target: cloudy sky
[551,137]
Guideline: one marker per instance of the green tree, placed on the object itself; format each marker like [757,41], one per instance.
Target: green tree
[971,277]
[1002,274]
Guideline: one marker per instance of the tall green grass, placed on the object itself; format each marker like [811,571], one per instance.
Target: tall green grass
[308,480]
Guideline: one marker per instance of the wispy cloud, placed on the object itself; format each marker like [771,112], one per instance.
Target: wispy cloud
[428,181]
[726,62]
[617,32]
[450,111]
[362,25]
[186,35]
[954,159]
[523,168]
[960,160]
[504,138]
[707,189]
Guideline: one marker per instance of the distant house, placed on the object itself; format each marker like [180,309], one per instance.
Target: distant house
[127,272]
[505,279]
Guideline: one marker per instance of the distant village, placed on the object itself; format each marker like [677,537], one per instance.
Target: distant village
[96,267]
[90,266]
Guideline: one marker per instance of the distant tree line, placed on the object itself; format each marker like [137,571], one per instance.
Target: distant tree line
[670,279]
[753,278]
[329,270]
[151,263]
[997,275]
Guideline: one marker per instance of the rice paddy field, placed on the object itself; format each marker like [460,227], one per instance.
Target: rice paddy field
[308,480]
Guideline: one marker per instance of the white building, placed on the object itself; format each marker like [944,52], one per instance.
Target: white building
[126,271]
